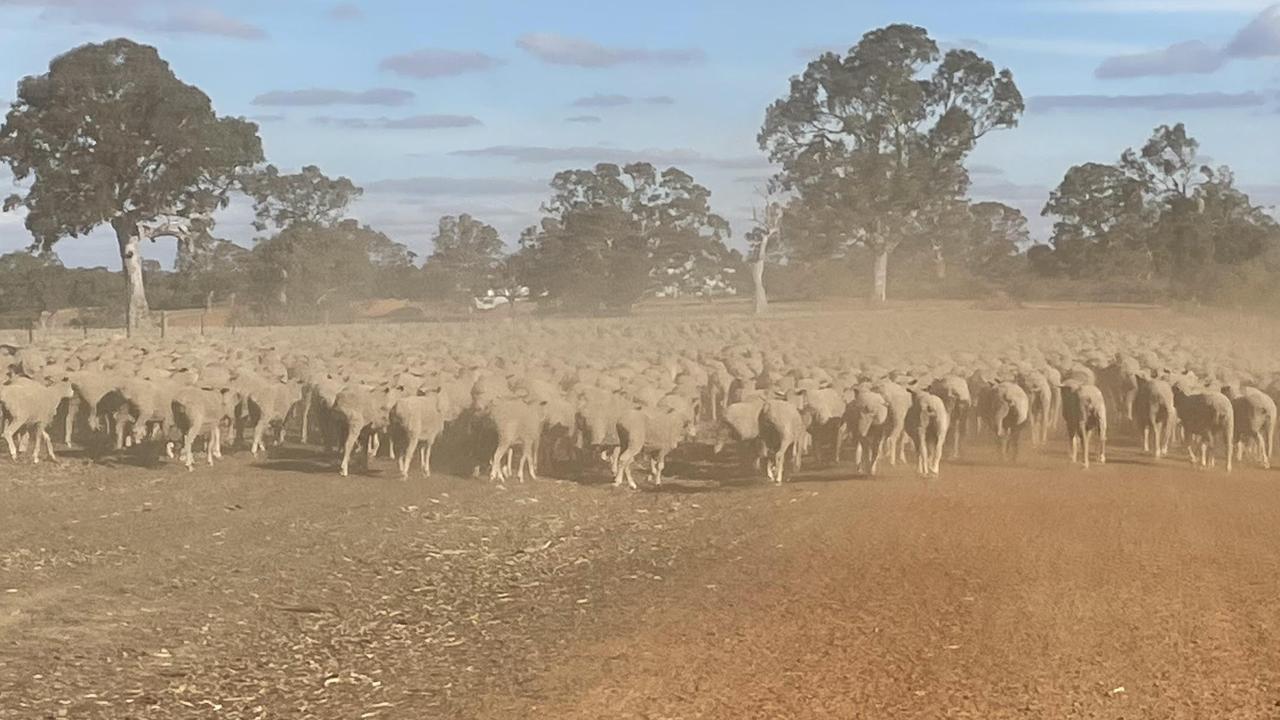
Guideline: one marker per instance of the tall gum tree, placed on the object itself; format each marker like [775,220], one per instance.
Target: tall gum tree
[873,142]
[109,136]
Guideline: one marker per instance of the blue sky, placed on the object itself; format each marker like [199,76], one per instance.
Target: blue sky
[439,108]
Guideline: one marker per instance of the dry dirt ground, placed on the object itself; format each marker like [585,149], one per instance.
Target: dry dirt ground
[276,589]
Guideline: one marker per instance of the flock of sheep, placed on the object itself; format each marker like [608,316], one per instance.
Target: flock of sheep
[514,398]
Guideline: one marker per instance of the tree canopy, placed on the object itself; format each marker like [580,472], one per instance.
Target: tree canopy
[311,267]
[873,142]
[465,257]
[613,232]
[1158,212]
[308,196]
[110,136]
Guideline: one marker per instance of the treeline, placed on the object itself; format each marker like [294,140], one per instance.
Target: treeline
[872,197]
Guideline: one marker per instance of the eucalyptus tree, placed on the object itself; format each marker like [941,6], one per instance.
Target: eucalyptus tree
[110,137]
[873,142]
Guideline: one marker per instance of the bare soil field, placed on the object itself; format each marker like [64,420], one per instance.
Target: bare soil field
[277,589]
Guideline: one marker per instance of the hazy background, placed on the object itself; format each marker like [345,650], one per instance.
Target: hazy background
[436,108]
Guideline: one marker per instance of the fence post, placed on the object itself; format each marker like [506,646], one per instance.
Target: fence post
[84,327]
[164,324]
[31,333]
[202,315]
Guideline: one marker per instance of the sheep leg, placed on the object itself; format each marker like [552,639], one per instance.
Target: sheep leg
[214,439]
[425,457]
[1102,442]
[48,443]
[188,444]
[68,422]
[9,430]
[495,465]
[36,433]
[348,445]
[624,470]
[533,448]
[956,429]
[306,415]
[405,461]
[922,455]
[940,445]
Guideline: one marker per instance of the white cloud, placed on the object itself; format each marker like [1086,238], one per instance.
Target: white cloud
[314,97]
[559,49]
[160,16]
[435,63]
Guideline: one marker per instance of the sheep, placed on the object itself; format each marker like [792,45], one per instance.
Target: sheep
[201,411]
[30,405]
[1054,376]
[364,411]
[92,390]
[657,430]
[926,423]
[418,420]
[268,406]
[899,403]
[1040,398]
[319,393]
[1010,410]
[956,397]
[867,418]
[517,423]
[740,425]
[1084,410]
[1255,422]
[1155,414]
[146,411]
[823,409]
[1205,416]
[595,428]
[1119,381]
[781,429]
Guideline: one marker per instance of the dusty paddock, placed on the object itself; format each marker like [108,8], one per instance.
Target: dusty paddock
[278,590]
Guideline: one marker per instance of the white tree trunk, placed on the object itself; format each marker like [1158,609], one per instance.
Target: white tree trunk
[130,239]
[880,291]
[939,263]
[757,279]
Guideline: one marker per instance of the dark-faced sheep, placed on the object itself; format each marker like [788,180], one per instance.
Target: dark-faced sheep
[1206,416]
